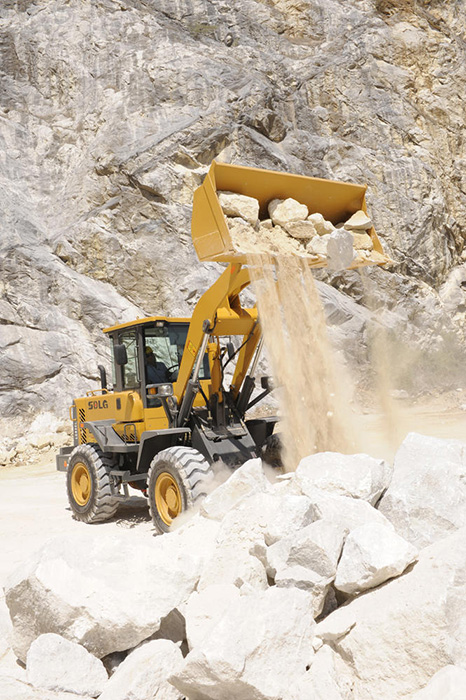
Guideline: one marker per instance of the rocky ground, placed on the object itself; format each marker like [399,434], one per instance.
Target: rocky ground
[342,580]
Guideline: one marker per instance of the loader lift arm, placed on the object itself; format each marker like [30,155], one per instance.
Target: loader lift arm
[219,313]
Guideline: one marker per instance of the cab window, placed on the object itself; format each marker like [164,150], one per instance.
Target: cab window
[164,346]
[131,377]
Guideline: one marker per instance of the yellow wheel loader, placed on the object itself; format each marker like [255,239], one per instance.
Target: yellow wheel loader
[168,416]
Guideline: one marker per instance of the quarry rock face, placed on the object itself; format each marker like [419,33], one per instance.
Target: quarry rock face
[104,146]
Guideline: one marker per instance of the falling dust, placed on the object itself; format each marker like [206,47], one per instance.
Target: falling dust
[314,409]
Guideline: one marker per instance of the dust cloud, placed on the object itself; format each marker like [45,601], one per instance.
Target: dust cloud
[313,408]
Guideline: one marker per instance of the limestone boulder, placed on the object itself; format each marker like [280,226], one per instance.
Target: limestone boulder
[254,652]
[371,555]
[362,241]
[321,225]
[307,560]
[234,204]
[395,637]
[144,673]
[343,510]
[77,586]
[245,481]
[359,221]
[357,476]
[426,496]
[205,608]
[302,230]
[286,211]
[447,684]
[243,236]
[340,252]
[327,679]
[55,663]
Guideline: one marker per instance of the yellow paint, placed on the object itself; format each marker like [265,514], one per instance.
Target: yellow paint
[167,498]
[336,201]
[81,484]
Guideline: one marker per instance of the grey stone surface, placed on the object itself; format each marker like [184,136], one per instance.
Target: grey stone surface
[111,112]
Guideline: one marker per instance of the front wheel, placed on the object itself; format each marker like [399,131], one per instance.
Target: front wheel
[178,479]
[88,485]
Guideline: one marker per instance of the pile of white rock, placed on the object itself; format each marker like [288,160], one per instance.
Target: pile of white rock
[344,580]
[45,432]
[292,230]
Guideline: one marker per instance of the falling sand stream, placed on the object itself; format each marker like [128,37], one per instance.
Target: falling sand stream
[293,322]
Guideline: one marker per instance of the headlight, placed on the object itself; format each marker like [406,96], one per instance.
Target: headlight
[165,389]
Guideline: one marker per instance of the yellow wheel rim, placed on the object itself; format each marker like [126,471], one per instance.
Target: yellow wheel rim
[81,484]
[167,498]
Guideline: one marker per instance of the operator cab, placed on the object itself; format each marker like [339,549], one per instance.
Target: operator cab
[148,353]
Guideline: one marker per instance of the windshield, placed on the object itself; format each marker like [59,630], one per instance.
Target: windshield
[164,347]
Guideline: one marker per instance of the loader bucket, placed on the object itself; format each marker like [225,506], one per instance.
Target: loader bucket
[336,201]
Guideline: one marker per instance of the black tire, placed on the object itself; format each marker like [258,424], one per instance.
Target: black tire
[181,472]
[88,485]
[271,451]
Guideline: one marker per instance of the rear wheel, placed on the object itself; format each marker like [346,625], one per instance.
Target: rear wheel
[88,485]
[178,479]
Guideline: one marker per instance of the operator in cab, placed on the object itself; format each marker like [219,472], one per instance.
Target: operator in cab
[156,372]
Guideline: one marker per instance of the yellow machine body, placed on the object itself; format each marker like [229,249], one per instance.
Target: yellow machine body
[219,312]
[336,201]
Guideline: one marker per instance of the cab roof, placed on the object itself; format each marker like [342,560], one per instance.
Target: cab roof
[149,321]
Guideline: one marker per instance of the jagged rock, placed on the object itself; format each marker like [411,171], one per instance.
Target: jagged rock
[358,222]
[144,673]
[426,496]
[322,226]
[62,588]
[358,475]
[418,620]
[54,663]
[243,482]
[259,646]
[343,510]
[234,204]
[205,608]
[371,555]
[301,230]
[362,241]
[241,530]
[292,513]
[16,689]
[325,680]
[316,547]
[285,211]
[447,684]
[339,250]
[307,560]
[244,237]
[318,245]
[337,247]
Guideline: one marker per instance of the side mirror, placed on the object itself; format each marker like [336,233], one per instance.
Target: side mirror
[230,350]
[120,354]
[103,376]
